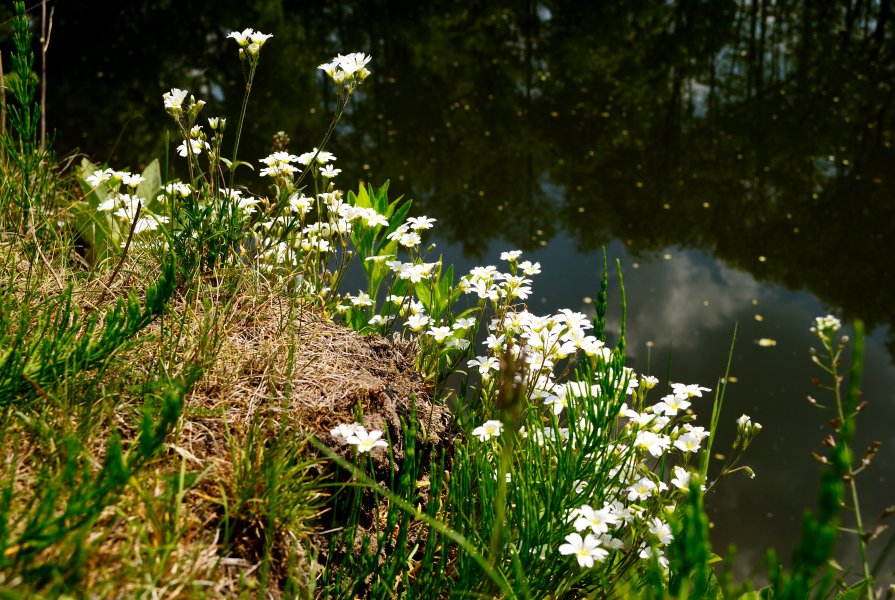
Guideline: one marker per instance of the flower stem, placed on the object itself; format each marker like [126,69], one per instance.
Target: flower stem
[845,432]
[242,116]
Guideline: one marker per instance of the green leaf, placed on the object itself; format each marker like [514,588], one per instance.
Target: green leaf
[445,285]
[235,165]
[856,591]
[151,184]
[395,221]
[361,199]
[423,293]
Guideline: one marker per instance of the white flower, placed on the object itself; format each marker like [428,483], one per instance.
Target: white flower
[594,347]
[278,164]
[100,176]
[611,542]
[373,218]
[648,381]
[250,39]
[178,187]
[107,204]
[653,443]
[485,365]
[352,63]
[641,490]
[322,157]
[586,550]
[349,69]
[647,553]
[661,530]
[494,342]
[688,442]
[300,204]
[464,323]
[132,180]
[362,299]
[366,442]
[511,256]
[259,38]
[408,239]
[418,223]
[671,404]
[599,521]
[557,399]
[439,333]
[688,391]
[247,204]
[417,322]
[329,172]
[488,430]
[279,158]
[530,268]
[127,206]
[453,342]
[242,38]
[174,100]
[680,478]
[196,146]
[744,423]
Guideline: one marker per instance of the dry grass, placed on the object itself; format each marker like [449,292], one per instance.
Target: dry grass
[277,372]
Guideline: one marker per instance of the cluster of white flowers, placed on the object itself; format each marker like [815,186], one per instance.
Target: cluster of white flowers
[278,164]
[287,237]
[124,204]
[826,327]
[197,143]
[335,220]
[173,102]
[634,502]
[347,70]
[250,41]
[356,435]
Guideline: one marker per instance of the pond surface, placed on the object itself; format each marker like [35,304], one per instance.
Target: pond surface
[735,157]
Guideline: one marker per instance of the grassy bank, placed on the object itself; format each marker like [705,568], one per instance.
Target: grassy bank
[194,406]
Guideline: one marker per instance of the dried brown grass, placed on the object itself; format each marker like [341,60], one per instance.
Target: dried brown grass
[279,369]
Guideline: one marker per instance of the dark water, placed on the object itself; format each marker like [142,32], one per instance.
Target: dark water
[736,157]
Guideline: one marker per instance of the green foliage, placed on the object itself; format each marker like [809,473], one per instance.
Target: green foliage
[371,242]
[24,111]
[691,556]
[275,492]
[811,573]
[102,232]
[69,493]
[45,343]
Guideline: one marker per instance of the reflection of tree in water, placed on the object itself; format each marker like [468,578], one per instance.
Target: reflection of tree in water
[750,129]
[760,133]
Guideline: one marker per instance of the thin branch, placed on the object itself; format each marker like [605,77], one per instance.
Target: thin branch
[127,245]
[2,99]
[33,235]
[45,33]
